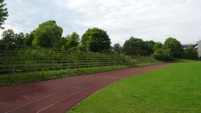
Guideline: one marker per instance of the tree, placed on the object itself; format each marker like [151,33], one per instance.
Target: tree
[3,13]
[163,54]
[29,39]
[47,34]
[149,46]
[175,46]
[191,53]
[135,46]
[73,41]
[95,40]
[61,44]
[8,37]
[117,48]
[157,45]
[19,39]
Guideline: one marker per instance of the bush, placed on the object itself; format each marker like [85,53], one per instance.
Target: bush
[191,53]
[163,54]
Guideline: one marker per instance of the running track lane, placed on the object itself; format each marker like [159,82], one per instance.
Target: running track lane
[60,95]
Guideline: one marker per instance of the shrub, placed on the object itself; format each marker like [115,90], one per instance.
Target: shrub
[163,54]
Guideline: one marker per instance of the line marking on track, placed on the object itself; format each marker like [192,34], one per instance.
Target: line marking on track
[67,97]
[58,101]
[35,101]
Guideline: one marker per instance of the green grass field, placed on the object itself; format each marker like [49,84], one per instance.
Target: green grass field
[173,89]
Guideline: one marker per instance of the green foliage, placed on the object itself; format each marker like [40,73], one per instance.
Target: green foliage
[163,54]
[19,39]
[11,79]
[73,41]
[175,46]
[135,46]
[25,62]
[8,37]
[95,40]
[47,34]
[3,13]
[117,48]
[157,45]
[28,39]
[149,46]
[61,44]
[191,53]
[173,89]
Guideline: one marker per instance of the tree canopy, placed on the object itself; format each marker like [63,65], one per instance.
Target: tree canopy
[96,40]
[157,45]
[47,34]
[3,13]
[135,46]
[163,54]
[191,53]
[73,41]
[8,37]
[117,48]
[175,46]
[28,39]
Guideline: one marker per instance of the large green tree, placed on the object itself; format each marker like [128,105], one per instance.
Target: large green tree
[47,34]
[191,53]
[19,39]
[95,40]
[175,46]
[73,41]
[135,46]
[157,45]
[3,13]
[117,48]
[149,46]
[29,39]
[163,54]
[8,37]
[60,45]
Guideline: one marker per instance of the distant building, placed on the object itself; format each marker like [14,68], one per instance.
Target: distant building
[199,48]
[196,46]
[185,46]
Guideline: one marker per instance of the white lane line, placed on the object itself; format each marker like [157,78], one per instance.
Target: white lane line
[66,98]
[36,100]
[58,101]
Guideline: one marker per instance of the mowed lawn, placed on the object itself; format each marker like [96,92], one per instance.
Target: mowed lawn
[172,89]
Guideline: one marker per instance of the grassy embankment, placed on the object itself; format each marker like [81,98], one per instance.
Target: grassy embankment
[24,65]
[172,89]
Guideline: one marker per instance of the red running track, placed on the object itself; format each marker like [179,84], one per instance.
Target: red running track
[60,95]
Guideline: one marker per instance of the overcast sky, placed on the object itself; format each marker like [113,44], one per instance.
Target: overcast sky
[147,19]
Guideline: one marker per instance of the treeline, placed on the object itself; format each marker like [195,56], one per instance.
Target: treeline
[49,35]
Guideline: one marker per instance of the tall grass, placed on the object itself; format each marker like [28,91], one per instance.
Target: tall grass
[12,79]
[27,59]
[20,65]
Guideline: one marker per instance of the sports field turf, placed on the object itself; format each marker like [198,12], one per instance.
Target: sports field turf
[173,89]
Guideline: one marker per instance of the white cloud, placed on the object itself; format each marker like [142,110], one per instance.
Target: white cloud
[147,19]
